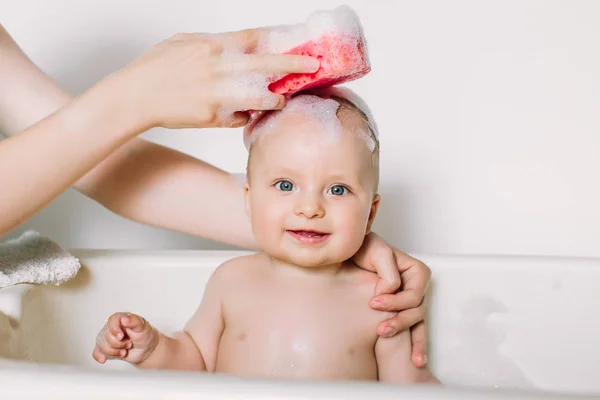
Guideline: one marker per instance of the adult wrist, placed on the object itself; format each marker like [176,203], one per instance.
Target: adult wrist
[118,100]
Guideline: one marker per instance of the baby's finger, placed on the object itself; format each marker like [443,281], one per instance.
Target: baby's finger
[114,325]
[133,322]
[99,355]
[109,351]
[113,341]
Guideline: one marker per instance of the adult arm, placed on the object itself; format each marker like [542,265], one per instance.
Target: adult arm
[55,140]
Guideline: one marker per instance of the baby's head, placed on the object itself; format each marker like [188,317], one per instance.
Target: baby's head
[313,175]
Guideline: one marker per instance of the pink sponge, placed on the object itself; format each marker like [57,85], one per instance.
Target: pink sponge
[334,37]
[342,59]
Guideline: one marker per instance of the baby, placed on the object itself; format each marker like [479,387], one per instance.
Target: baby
[299,309]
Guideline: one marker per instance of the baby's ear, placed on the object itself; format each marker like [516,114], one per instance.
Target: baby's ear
[374,208]
[247,197]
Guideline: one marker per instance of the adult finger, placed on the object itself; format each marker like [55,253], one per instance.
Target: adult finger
[418,336]
[270,64]
[377,256]
[383,261]
[236,120]
[415,274]
[414,267]
[403,320]
[245,40]
[403,300]
[257,102]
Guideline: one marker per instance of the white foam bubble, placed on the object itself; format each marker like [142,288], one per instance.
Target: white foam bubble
[319,107]
[314,108]
[352,97]
[341,21]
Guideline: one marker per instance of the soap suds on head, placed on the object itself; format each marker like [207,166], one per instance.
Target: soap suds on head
[372,137]
[313,108]
[320,105]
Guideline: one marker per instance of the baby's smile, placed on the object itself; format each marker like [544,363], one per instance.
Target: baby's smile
[309,236]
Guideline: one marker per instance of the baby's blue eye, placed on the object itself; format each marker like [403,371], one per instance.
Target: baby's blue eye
[338,190]
[285,186]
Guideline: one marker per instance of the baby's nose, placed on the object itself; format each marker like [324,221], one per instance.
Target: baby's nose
[309,206]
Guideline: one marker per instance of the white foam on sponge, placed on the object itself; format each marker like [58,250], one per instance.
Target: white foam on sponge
[317,106]
[341,21]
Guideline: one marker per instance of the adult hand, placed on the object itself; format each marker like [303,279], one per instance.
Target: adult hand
[398,270]
[197,80]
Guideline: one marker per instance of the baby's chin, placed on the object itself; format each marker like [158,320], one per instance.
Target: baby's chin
[313,258]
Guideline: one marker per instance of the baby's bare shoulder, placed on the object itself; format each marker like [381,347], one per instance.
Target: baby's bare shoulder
[239,269]
[361,283]
[361,280]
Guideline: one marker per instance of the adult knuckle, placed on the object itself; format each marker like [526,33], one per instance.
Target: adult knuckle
[208,115]
[214,48]
[207,47]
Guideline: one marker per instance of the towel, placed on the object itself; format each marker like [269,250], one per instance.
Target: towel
[32,258]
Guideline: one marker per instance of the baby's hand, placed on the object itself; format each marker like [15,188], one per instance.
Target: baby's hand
[125,336]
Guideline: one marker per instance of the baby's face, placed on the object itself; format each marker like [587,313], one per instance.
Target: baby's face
[311,193]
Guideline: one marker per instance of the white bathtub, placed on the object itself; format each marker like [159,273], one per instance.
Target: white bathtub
[500,328]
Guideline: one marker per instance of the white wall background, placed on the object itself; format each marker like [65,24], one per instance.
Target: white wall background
[488,110]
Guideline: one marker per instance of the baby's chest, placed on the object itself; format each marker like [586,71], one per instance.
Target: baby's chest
[309,332]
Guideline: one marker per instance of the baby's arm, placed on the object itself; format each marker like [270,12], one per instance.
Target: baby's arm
[195,348]
[131,338]
[394,361]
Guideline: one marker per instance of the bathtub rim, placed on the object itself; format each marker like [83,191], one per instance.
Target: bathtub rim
[17,374]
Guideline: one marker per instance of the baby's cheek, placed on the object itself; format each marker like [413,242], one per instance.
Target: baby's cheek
[352,231]
[266,222]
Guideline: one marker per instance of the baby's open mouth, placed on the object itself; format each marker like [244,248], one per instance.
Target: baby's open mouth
[308,236]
